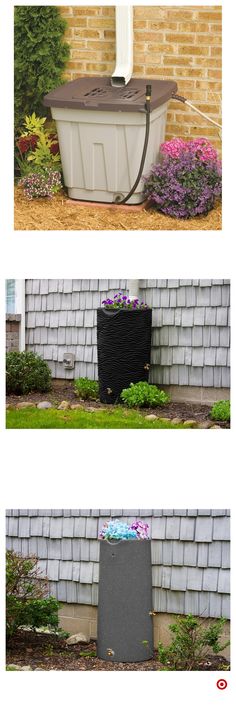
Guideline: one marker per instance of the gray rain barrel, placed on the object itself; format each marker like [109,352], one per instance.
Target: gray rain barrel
[125,630]
[101,131]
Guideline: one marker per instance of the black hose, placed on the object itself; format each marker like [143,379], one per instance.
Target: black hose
[147,109]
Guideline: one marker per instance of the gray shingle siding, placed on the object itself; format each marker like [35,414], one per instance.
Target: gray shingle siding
[190,553]
[191,333]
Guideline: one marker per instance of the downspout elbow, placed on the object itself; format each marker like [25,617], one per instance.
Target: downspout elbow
[124,46]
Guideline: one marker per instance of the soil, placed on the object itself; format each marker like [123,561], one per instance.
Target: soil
[64,391]
[50,653]
[59,213]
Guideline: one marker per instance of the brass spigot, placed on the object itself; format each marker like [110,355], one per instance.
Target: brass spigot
[110,652]
[152,613]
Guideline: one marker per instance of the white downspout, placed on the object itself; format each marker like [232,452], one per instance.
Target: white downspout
[124,46]
[133,289]
[20,310]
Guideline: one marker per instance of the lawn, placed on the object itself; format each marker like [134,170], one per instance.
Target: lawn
[53,418]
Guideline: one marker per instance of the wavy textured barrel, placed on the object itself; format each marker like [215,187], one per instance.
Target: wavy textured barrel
[124,350]
[125,601]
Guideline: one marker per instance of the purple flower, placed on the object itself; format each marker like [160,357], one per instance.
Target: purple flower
[185,186]
[123,302]
[41,184]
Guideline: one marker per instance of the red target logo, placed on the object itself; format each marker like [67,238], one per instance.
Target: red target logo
[221,684]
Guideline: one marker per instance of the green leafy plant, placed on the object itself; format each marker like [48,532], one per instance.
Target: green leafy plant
[37,150]
[191,643]
[221,411]
[33,124]
[49,650]
[86,389]
[87,654]
[27,603]
[25,372]
[143,394]
[40,56]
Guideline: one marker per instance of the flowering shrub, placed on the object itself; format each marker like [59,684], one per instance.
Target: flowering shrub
[123,302]
[200,147]
[188,180]
[41,184]
[120,530]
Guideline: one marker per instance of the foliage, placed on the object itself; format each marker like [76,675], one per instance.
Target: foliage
[40,56]
[38,158]
[144,394]
[38,143]
[123,302]
[42,183]
[187,182]
[121,530]
[26,371]
[221,411]
[87,389]
[191,643]
[26,603]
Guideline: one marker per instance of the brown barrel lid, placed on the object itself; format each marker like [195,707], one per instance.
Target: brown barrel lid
[96,93]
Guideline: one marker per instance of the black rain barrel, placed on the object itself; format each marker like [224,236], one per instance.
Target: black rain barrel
[124,349]
[125,630]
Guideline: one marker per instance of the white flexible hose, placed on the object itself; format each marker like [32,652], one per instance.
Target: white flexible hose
[202,114]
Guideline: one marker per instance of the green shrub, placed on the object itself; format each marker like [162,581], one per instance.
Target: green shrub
[25,372]
[221,411]
[26,595]
[191,643]
[143,394]
[87,389]
[40,57]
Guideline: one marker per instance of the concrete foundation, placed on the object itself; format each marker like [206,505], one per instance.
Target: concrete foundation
[83,618]
[196,394]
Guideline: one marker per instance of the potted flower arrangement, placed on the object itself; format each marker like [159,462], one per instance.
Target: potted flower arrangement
[123,343]
[125,631]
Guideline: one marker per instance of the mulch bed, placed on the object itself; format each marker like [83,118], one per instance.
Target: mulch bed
[64,391]
[48,652]
[58,214]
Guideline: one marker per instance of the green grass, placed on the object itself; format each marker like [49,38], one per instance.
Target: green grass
[52,418]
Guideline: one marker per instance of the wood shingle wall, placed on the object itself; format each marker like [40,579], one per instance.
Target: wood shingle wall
[190,336]
[190,554]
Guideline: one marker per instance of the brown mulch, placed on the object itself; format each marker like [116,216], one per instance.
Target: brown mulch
[63,390]
[48,652]
[59,214]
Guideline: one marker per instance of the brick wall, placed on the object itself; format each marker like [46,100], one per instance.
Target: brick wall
[180,43]
[12,332]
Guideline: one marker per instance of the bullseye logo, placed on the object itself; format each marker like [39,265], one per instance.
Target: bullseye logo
[221,684]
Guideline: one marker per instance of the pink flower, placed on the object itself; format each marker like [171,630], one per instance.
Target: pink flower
[199,147]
